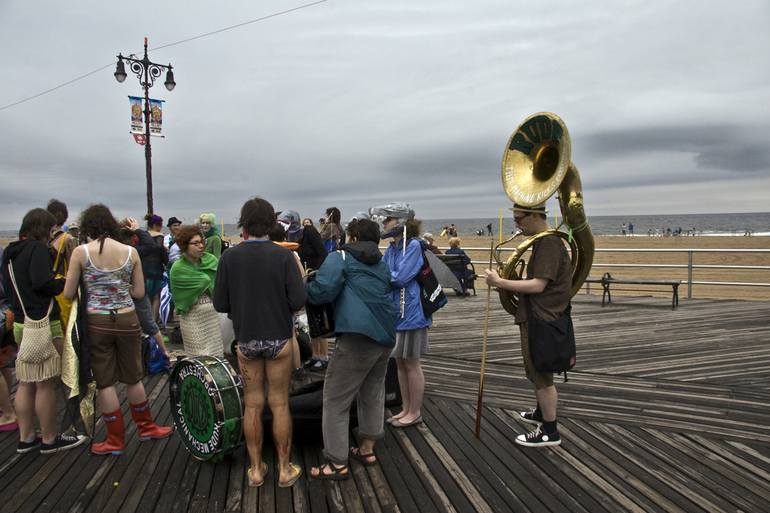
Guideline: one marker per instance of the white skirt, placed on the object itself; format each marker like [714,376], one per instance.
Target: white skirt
[201,334]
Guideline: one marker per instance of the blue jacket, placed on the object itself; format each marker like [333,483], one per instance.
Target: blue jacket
[358,282]
[403,274]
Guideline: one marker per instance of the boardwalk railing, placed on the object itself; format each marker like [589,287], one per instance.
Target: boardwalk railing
[690,266]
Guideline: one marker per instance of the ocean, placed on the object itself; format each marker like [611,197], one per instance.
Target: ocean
[756,223]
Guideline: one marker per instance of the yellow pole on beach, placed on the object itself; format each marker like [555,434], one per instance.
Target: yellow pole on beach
[223,228]
[484,351]
[501,229]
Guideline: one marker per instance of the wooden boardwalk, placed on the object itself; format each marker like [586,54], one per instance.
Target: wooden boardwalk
[666,411]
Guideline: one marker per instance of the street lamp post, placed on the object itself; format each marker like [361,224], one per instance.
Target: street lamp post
[146,71]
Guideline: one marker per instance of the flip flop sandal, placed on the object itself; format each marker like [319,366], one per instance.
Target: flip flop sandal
[297,471]
[398,424]
[257,484]
[335,474]
[363,459]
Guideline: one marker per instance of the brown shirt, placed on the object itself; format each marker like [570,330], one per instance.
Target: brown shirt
[550,261]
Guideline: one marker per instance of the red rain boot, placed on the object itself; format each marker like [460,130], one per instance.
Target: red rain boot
[115,443]
[148,430]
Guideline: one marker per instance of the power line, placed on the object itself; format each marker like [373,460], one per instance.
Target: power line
[182,41]
[255,20]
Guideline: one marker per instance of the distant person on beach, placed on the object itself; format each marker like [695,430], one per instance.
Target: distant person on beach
[452,232]
[544,294]
[489,229]
[260,288]
[623,229]
[112,275]
[208,223]
[631,229]
[31,287]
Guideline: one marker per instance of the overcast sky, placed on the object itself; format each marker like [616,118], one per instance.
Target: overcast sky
[354,103]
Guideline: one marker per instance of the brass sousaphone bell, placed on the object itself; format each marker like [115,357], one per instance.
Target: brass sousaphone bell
[537,163]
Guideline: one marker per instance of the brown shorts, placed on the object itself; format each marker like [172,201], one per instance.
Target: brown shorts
[539,379]
[116,348]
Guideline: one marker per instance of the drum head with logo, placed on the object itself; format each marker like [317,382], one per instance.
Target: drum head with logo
[207,406]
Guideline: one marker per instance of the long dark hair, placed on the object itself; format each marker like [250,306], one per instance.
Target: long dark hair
[98,223]
[413,228]
[334,215]
[37,224]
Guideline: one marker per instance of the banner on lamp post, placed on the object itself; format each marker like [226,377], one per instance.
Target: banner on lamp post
[156,117]
[137,125]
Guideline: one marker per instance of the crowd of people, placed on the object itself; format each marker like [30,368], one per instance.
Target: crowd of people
[120,271]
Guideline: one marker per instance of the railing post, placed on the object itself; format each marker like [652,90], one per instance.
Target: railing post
[689,274]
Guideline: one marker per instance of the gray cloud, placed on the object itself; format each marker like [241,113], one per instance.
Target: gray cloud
[353,103]
[731,148]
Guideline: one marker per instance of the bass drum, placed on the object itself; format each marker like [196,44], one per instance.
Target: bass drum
[207,406]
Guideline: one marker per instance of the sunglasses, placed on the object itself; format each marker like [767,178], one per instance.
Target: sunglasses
[520,217]
[196,243]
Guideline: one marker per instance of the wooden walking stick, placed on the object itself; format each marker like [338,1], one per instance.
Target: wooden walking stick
[484,350]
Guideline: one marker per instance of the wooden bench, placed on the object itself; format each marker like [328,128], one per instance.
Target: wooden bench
[607,280]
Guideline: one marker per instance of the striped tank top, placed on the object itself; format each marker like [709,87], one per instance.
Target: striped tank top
[108,289]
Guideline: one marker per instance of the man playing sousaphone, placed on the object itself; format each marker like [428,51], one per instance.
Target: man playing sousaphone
[545,294]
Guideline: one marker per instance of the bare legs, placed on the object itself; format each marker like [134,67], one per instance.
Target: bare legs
[155,302]
[411,381]
[320,348]
[277,374]
[39,399]
[36,398]
[108,397]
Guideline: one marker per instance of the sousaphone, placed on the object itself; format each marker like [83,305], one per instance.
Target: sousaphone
[536,164]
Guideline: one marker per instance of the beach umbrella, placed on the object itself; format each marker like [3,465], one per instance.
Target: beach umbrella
[444,275]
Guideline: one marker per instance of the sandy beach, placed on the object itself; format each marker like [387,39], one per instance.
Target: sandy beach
[645,242]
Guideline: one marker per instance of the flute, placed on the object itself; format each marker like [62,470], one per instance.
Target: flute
[403,291]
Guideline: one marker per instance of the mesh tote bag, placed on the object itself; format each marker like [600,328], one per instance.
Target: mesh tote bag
[37,359]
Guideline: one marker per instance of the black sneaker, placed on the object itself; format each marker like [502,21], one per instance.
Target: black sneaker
[62,443]
[538,438]
[25,447]
[532,417]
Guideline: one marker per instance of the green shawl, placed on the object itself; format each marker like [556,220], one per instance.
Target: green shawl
[188,281]
[214,244]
